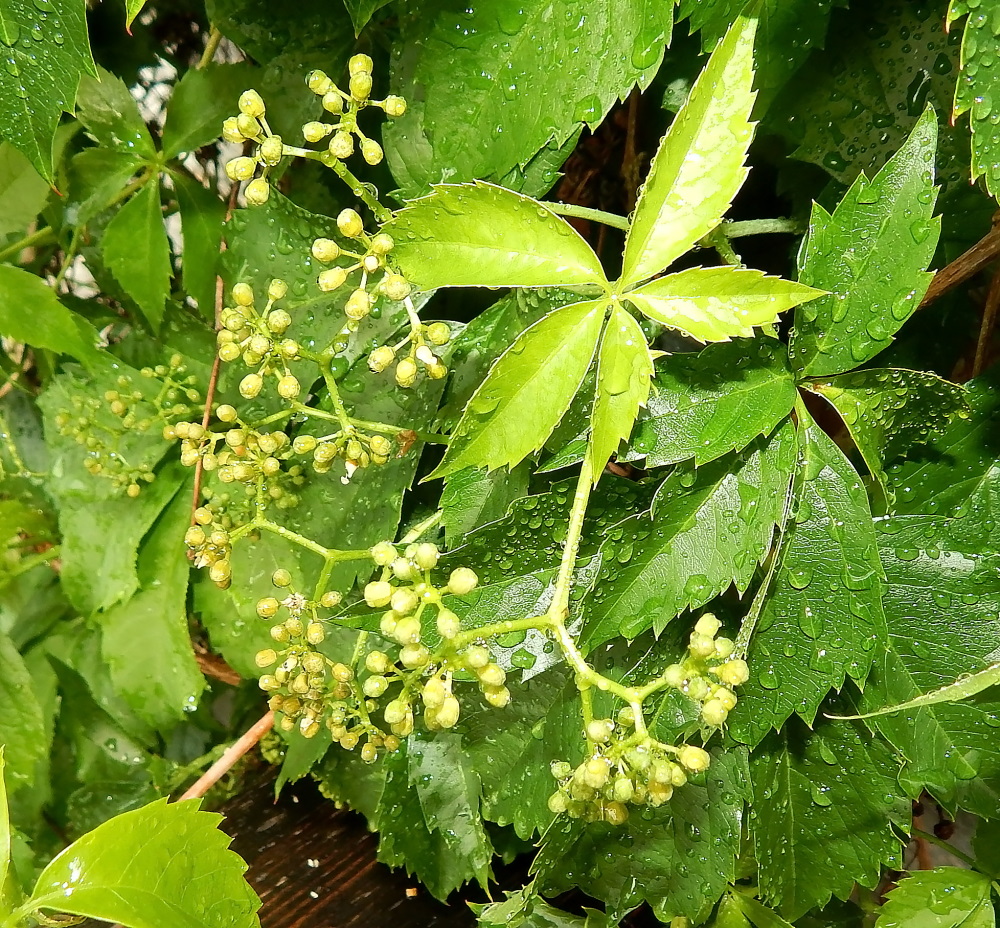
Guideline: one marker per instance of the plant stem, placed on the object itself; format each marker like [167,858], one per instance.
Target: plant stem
[229,757]
[585,212]
[760,227]
[432,521]
[432,438]
[211,46]
[950,848]
[44,236]
[559,608]
[359,189]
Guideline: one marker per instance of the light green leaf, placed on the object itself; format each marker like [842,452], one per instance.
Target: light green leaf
[30,313]
[708,528]
[23,732]
[201,100]
[479,235]
[161,866]
[138,253]
[699,165]
[527,391]
[889,411]
[96,176]
[40,79]
[23,191]
[132,9]
[202,216]
[524,908]
[361,11]
[946,897]
[694,414]
[875,288]
[823,620]
[111,115]
[714,304]
[831,796]
[758,914]
[624,368]
[5,907]
[532,72]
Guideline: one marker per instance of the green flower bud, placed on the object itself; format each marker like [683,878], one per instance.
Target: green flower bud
[447,715]
[257,192]
[371,263]
[725,697]
[358,305]
[724,647]
[251,103]
[271,150]
[303,444]
[375,686]
[380,359]
[318,82]
[381,244]
[359,64]
[599,730]
[714,713]
[265,658]
[227,413]
[315,633]
[404,602]
[377,662]
[378,593]
[462,580]
[394,106]
[250,386]
[693,758]
[330,599]
[278,320]
[448,625]
[438,333]
[371,151]
[426,556]
[241,168]
[288,348]
[708,625]
[395,287]
[333,102]
[325,250]
[380,445]
[734,672]
[350,224]
[437,371]
[406,372]
[384,553]
[476,657]
[331,279]
[229,353]
[231,131]
[248,126]
[288,387]
[497,696]
[316,131]
[341,145]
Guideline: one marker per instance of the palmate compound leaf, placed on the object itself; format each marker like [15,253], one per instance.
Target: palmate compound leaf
[480,235]
[708,529]
[871,253]
[714,304]
[825,806]
[823,619]
[889,411]
[946,897]
[624,369]
[527,391]
[679,859]
[699,165]
[161,866]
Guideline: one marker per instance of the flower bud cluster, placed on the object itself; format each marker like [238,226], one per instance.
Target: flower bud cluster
[344,133]
[210,545]
[102,426]
[356,448]
[423,340]
[250,125]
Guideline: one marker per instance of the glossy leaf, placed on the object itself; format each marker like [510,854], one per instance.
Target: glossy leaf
[361,11]
[714,304]
[31,313]
[202,215]
[524,908]
[831,794]
[719,400]
[945,897]
[527,391]
[23,191]
[138,253]
[823,620]
[478,235]
[40,79]
[474,497]
[624,369]
[111,116]
[699,165]
[132,9]
[531,72]
[22,736]
[96,177]
[889,411]
[708,529]
[874,289]
[759,915]
[161,866]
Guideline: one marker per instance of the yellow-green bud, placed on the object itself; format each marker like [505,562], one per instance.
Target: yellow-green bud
[380,359]
[271,150]
[316,131]
[265,658]
[341,145]
[395,287]
[378,593]
[333,102]
[426,556]
[241,168]
[359,64]
[708,625]
[350,224]
[462,580]
[384,554]
[318,82]
[371,151]
[227,413]
[231,131]
[438,333]
[277,289]
[693,758]
[243,294]
[331,279]
[358,305]
[734,672]
[288,387]
[394,106]
[257,192]
[325,250]
[248,127]
[278,320]
[250,386]
[448,625]
[251,103]
[406,372]
[714,713]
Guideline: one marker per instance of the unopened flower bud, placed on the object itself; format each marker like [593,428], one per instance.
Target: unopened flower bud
[251,103]
[231,131]
[241,168]
[406,372]
[371,151]
[394,106]
[341,145]
[396,287]
[350,224]
[318,82]
[462,580]
[358,305]
[380,359]
[257,192]
[271,150]
[333,102]
[250,386]
[359,64]
[325,250]
[331,279]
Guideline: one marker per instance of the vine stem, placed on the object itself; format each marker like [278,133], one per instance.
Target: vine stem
[211,47]
[585,212]
[359,189]
[44,236]
[229,757]
[944,845]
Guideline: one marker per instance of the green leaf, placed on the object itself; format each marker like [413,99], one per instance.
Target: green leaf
[111,116]
[40,79]
[986,847]
[531,72]
[361,11]
[5,907]
[975,88]
[698,167]
[874,289]
[693,413]
[473,497]
[138,253]
[479,235]
[527,391]
[713,304]
[708,528]
[524,908]
[759,915]
[942,596]
[823,620]
[830,797]
[23,191]
[200,101]
[30,313]
[132,9]
[155,671]
[945,897]
[96,177]
[202,216]
[787,31]
[624,369]
[679,858]
[23,736]
[887,412]
[162,866]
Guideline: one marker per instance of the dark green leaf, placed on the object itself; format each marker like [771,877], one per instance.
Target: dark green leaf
[361,11]
[138,253]
[986,847]
[524,908]
[757,913]
[201,100]
[709,528]
[946,897]
[484,236]
[704,405]
[40,79]
[679,859]
[473,497]
[823,620]
[23,191]
[698,167]
[825,803]
[162,866]
[96,177]
[874,289]
[301,31]
[30,313]
[527,391]
[202,215]
[23,728]
[564,64]
[889,411]
[111,116]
